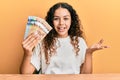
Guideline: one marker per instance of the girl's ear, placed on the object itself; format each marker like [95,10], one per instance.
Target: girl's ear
[71,21]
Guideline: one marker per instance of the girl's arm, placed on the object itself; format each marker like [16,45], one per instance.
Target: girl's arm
[28,45]
[26,66]
[86,67]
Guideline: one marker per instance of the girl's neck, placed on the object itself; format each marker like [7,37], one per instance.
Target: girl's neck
[65,36]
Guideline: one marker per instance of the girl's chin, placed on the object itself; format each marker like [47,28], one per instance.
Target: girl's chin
[62,35]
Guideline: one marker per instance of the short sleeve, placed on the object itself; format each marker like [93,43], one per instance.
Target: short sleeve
[83,47]
[35,59]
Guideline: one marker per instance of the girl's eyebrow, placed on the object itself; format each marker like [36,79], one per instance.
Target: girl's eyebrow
[63,16]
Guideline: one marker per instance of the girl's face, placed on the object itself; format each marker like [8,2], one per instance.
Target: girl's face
[62,22]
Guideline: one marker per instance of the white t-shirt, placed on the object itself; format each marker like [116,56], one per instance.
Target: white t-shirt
[65,61]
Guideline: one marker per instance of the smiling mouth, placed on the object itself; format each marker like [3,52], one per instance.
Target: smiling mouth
[61,29]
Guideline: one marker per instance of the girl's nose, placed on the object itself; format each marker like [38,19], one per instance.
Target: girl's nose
[61,21]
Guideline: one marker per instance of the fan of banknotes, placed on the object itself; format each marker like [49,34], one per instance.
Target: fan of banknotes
[37,24]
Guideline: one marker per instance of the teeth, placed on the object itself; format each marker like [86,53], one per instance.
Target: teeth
[61,29]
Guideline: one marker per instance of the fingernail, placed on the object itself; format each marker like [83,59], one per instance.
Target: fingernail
[35,33]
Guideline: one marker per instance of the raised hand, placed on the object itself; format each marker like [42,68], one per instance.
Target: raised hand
[30,42]
[97,46]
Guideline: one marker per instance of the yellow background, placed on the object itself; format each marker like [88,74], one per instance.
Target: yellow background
[100,19]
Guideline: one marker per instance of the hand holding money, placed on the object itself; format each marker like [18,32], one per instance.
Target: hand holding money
[36,24]
[36,29]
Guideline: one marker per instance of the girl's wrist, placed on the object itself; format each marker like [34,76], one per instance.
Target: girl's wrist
[28,54]
[89,51]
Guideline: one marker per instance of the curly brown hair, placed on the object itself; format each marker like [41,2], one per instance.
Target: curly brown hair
[74,31]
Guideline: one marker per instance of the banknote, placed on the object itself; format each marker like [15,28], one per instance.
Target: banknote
[35,24]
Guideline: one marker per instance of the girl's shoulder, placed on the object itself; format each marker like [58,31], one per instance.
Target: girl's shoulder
[82,40]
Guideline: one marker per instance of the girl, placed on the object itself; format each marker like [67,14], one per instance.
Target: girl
[63,50]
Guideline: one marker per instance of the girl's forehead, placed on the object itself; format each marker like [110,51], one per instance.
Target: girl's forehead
[61,12]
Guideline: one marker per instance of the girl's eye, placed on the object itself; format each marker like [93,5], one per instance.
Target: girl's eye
[55,18]
[66,18]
